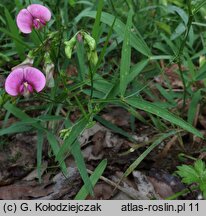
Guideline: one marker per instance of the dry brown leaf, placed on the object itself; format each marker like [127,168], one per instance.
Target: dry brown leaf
[23,190]
[164,183]
[102,191]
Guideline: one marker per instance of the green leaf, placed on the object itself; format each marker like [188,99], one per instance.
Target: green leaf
[72,2]
[188,174]
[55,148]
[201,74]
[198,6]
[96,27]
[203,187]
[165,94]
[125,55]
[164,27]
[81,60]
[14,31]
[15,38]
[193,106]
[136,70]
[178,31]
[16,111]
[82,194]
[104,49]
[199,166]
[192,67]
[163,113]
[19,5]
[179,11]
[50,118]
[101,84]
[23,116]
[170,44]
[40,140]
[18,127]
[76,152]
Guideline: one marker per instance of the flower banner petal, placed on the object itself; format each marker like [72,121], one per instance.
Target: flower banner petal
[35,78]
[39,11]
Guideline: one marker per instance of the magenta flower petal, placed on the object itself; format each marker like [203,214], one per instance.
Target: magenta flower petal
[35,78]
[39,12]
[25,80]
[24,21]
[14,81]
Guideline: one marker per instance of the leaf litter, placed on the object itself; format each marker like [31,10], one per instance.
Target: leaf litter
[98,142]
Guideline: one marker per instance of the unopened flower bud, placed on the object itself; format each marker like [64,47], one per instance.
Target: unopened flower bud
[69,45]
[202,60]
[49,70]
[27,62]
[79,37]
[92,57]
[90,41]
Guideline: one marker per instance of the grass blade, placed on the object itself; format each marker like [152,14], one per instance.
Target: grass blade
[163,113]
[77,154]
[16,111]
[147,151]
[55,148]
[193,106]
[82,194]
[23,116]
[103,51]
[15,38]
[76,130]
[40,140]
[136,70]
[81,60]
[14,30]
[15,128]
[96,27]
[125,55]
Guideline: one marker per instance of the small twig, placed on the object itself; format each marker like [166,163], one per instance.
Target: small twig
[108,181]
[182,193]
[164,152]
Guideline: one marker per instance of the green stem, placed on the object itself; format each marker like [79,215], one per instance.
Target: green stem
[180,52]
[59,49]
[91,73]
[81,107]
[39,36]
[182,193]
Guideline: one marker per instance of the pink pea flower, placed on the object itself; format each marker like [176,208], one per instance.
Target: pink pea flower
[35,16]
[24,81]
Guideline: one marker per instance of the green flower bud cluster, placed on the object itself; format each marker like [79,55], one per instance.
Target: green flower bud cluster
[89,42]
[69,46]
[64,133]
[202,60]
